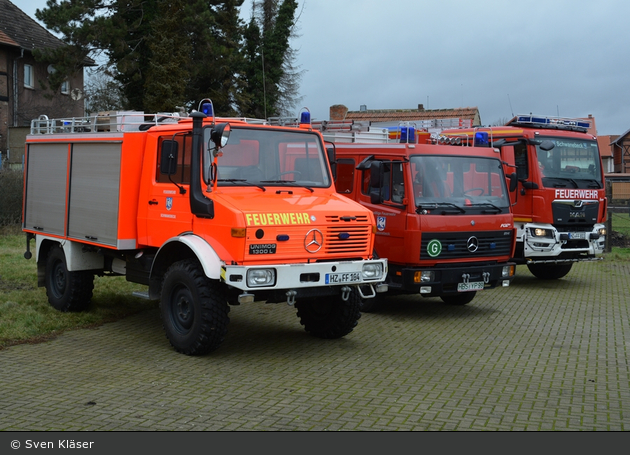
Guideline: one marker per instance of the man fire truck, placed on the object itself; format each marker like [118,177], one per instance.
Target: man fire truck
[560,205]
[205,222]
[443,214]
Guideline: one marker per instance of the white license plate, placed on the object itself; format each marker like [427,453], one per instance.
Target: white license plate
[577,235]
[351,277]
[474,286]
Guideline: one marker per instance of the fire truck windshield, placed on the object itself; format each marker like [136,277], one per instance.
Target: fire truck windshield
[572,163]
[464,182]
[265,157]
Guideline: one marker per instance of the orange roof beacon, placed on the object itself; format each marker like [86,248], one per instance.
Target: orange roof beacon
[560,206]
[206,212]
[443,213]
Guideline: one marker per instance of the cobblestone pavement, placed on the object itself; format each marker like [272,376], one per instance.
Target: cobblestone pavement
[538,355]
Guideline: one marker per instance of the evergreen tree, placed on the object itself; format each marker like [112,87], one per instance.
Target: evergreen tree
[272,81]
[169,53]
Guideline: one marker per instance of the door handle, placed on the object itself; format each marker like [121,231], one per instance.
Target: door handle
[153,202]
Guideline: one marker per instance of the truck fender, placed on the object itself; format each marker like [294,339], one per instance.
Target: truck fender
[77,258]
[180,248]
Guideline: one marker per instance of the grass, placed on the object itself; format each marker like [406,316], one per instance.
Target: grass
[25,314]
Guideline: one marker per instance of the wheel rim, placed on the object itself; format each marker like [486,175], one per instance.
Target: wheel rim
[182,310]
[59,279]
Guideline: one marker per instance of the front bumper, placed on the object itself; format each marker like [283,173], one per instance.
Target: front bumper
[445,280]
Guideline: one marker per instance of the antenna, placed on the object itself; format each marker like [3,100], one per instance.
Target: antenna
[509,101]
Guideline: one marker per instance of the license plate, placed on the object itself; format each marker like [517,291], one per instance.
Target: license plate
[352,277]
[577,235]
[474,286]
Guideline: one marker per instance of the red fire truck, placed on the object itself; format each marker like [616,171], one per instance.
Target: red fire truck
[205,212]
[560,206]
[443,214]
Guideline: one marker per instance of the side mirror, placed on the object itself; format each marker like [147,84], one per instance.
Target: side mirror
[513,181]
[332,160]
[168,159]
[547,145]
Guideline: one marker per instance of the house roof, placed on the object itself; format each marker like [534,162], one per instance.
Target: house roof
[402,115]
[17,29]
[604,144]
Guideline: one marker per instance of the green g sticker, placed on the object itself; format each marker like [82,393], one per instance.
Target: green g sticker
[434,248]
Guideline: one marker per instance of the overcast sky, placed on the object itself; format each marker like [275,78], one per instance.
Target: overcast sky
[559,57]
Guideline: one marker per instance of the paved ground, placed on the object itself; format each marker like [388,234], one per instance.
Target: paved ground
[535,356]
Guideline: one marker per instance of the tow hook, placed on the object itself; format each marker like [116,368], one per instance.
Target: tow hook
[486,277]
[291,297]
[345,293]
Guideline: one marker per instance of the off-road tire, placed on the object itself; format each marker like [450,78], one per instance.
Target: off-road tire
[550,271]
[194,309]
[462,298]
[66,291]
[330,317]
[372,305]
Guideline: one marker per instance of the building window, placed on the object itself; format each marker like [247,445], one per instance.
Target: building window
[65,87]
[28,76]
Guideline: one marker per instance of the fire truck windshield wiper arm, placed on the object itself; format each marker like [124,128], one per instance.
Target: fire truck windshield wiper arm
[489,204]
[241,181]
[435,205]
[288,183]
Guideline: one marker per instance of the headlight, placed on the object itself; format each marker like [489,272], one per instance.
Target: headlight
[602,231]
[538,232]
[372,271]
[507,271]
[261,277]
[423,276]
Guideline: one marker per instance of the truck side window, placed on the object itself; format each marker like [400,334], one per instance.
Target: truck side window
[398,183]
[345,175]
[182,175]
[520,160]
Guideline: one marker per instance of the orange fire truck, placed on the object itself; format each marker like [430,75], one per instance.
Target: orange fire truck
[205,212]
[443,214]
[560,206]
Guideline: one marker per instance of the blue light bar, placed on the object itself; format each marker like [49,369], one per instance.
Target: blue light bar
[305,118]
[551,122]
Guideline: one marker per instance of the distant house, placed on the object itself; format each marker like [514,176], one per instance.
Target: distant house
[22,96]
[606,151]
[621,153]
[430,119]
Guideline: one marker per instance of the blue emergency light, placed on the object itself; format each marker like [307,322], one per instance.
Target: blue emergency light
[407,135]
[207,109]
[481,139]
[305,117]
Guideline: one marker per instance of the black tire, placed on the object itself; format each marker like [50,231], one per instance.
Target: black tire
[194,309]
[372,305]
[66,291]
[462,298]
[550,271]
[330,317]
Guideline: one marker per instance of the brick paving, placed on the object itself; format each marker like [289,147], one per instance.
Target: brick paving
[535,356]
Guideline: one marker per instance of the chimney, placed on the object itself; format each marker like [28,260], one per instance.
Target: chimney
[421,107]
[338,112]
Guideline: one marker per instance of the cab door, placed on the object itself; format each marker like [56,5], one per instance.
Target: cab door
[389,208]
[168,201]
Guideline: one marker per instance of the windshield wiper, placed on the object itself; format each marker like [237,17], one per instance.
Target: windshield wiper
[488,204]
[435,205]
[288,183]
[242,181]
[592,183]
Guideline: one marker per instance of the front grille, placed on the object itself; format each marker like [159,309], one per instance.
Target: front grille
[455,245]
[341,240]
